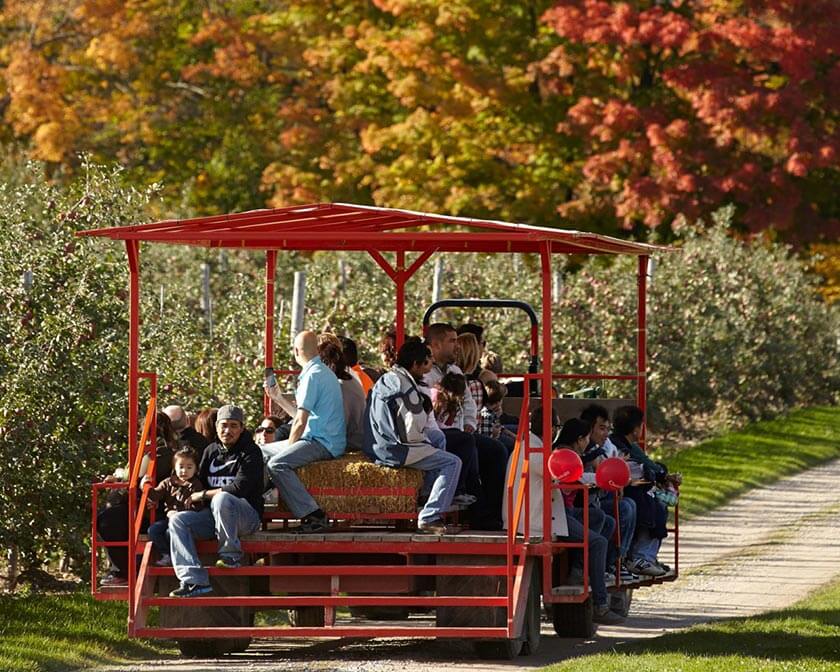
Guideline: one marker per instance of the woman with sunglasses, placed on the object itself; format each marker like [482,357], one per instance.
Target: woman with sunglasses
[266,431]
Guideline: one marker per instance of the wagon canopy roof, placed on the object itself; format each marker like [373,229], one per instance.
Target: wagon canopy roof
[345,226]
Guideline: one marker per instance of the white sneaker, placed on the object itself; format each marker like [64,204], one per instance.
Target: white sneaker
[645,568]
[165,561]
[464,500]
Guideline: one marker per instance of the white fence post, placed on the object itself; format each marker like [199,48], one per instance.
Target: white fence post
[437,279]
[298,303]
[557,286]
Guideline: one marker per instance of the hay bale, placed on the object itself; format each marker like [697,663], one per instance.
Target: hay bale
[396,489]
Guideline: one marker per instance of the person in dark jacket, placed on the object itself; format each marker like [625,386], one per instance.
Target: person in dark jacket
[187,436]
[232,468]
[651,514]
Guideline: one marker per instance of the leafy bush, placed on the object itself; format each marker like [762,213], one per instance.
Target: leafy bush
[736,330]
[62,353]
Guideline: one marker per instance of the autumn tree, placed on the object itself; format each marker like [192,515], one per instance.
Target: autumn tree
[681,106]
[417,104]
[123,81]
[584,113]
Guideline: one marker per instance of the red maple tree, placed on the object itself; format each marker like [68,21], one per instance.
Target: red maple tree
[684,105]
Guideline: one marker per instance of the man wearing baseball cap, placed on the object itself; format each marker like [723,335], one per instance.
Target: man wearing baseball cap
[232,470]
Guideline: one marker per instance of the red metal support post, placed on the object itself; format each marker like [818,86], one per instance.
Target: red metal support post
[545,258]
[641,340]
[400,275]
[270,269]
[133,251]
[399,282]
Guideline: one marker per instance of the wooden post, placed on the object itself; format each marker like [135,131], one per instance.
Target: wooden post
[342,275]
[13,566]
[206,299]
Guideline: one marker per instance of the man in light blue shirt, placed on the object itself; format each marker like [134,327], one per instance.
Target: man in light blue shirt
[318,433]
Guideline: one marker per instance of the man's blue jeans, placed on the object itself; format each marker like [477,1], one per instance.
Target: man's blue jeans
[442,469]
[227,518]
[626,525]
[597,548]
[282,462]
[645,545]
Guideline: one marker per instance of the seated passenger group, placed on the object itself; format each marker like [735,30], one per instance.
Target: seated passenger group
[435,409]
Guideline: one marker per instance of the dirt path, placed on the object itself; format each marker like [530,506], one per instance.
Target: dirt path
[765,550]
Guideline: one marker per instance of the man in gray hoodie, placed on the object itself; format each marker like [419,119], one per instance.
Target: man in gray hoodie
[400,428]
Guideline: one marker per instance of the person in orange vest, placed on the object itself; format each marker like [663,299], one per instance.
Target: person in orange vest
[351,358]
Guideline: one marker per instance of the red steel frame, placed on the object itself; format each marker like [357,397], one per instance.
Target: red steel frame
[340,226]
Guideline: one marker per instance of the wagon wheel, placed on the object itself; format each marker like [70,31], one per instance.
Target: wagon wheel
[212,648]
[531,628]
[573,619]
[620,601]
[307,617]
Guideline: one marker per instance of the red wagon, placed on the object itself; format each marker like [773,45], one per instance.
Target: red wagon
[489,587]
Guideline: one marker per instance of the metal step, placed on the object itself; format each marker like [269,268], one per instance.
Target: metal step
[257,601]
[348,570]
[335,631]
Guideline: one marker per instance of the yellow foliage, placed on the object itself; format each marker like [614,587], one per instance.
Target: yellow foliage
[826,263]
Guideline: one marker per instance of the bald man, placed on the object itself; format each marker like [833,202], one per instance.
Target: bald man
[187,436]
[318,433]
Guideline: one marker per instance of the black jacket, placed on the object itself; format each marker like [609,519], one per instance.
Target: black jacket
[238,470]
[188,436]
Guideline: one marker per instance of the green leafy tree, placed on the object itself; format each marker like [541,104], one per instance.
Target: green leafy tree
[62,353]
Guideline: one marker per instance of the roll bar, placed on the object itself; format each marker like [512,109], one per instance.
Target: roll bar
[534,364]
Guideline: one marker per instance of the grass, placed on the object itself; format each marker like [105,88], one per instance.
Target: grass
[66,632]
[804,637]
[716,470]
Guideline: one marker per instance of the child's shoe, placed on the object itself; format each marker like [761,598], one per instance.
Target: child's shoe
[165,561]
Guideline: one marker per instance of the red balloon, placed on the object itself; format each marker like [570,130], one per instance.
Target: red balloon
[565,465]
[612,474]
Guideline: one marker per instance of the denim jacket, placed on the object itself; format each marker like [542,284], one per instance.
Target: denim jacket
[395,419]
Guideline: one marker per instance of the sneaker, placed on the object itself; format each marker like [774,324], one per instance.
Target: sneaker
[662,566]
[113,580]
[191,590]
[165,561]
[437,527]
[605,616]
[223,563]
[627,576]
[311,524]
[609,578]
[464,500]
[645,568]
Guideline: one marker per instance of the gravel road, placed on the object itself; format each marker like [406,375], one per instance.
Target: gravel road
[765,550]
